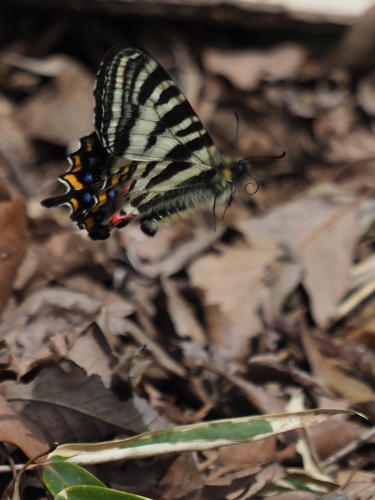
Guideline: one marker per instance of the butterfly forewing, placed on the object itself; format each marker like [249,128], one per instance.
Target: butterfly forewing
[141,114]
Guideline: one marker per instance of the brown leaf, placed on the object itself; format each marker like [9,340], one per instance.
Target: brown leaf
[43,314]
[13,244]
[77,407]
[233,281]
[62,254]
[17,153]
[20,431]
[182,315]
[183,478]
[366,94]
[92,353]
[355,50]
[348,387]
[341,138]
[332,435]
[298,495]
[247,68]
[319,229]
[256,452]
[62,109]
[359,485]
[171,249]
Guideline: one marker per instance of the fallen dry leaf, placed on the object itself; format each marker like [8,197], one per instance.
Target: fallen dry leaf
[366,94]
[346,386]
[247,68]
[13,244]
[183,478]
[17,153]
[91,352]
[62,109]
[318,232]
[233,281]
[20,431]
[182,315]
[256,452]
[78,407]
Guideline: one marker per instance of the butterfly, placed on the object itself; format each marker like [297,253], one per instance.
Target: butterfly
[149,159]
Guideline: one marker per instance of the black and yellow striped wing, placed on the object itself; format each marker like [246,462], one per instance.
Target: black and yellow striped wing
[149,159]
[140,113]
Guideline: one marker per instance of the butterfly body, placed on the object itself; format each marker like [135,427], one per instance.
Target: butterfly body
[150,158]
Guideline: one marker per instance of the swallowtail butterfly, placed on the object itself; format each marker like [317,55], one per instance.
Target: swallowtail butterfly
[149,159]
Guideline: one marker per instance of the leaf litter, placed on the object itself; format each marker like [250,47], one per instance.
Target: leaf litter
[115,338]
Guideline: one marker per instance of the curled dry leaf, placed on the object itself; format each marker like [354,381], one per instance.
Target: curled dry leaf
[20,431]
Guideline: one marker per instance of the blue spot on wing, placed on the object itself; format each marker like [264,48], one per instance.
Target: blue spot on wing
[87,197]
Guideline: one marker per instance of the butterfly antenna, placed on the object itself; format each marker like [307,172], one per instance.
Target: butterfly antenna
[250,184]
[277,157]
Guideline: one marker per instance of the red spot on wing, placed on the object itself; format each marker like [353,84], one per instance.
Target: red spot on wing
[119,218]
[126,188]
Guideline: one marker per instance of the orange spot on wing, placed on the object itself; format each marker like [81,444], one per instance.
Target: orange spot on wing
[115,179]
[74,202]
[73,181]
[77,163]
[89,222]
[102,198]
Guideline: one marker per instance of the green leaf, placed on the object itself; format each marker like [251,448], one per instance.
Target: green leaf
[95,493]
[197,437]
[61,475]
